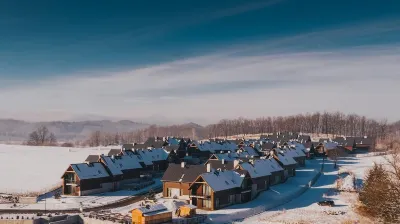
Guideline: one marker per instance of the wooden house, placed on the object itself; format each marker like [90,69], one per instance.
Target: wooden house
[86,178]
[123,168]
[259,173]
[297,151]
[158,156]
[223,164]
[277,172]
[364,143]
[143,160]
[197,149]
[154,214]
[178,177]
[286,162]
[217,189]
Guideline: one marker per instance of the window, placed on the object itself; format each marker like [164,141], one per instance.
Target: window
[231,199]
[207,204]
[206,190]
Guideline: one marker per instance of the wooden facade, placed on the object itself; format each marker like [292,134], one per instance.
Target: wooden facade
[156,217]
[204,197]
[73,185]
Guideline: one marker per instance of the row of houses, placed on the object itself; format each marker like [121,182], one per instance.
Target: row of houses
[231,175]
[102,173]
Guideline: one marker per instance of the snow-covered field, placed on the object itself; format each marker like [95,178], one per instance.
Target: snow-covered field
[34,169]
[304,209]
[74,202]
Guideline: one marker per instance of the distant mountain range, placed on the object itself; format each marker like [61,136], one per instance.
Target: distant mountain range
[17,130]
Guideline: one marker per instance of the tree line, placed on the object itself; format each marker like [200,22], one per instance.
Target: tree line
[335,123]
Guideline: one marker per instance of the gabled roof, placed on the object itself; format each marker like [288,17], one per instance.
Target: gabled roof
[92,158]
[217,164]
[170,148]
[330,145]
[286,159]
[90,170]
[173,141]
[225,156]
[364,141]
[267,146]
[223,180]
[118,164]
[247,152]
[256,169]
[154,154]
[127,146]
[189,173]
[114,152]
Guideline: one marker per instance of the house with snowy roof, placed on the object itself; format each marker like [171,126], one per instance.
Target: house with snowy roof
[285,161]
[296,151]
[86,178]
[124,167]
[259,172]
[178,177]
[216,189]
[158,156]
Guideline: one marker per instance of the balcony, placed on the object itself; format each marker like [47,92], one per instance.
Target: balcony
[70,182]
[200,196]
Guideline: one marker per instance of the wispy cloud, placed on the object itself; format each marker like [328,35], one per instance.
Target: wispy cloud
[267,78]
[216,87]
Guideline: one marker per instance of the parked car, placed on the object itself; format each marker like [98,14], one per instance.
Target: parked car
[326,203]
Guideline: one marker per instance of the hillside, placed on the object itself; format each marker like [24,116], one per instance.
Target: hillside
[17,130]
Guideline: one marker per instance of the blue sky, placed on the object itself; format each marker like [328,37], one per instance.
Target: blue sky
[196,60]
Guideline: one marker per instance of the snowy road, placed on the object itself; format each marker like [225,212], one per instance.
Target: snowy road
[305,208]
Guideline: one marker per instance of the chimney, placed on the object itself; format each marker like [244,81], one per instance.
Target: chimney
[112,157]
[235,163]
[183,164]
[223,161]
[208,168]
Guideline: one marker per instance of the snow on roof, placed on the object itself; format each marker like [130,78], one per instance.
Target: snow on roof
[119,163]
[144,158]
[154,154]
[89,170]
[223,180]
[330,145]
[227,156]
[294,152]
[173,141]
[286,159]
[257,169]
[271,163]
[250,151]
[152,209]
[215,146]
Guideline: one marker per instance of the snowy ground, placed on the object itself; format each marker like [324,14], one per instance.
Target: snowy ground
[276,196]
[74,202]
[34,169]
[304,209]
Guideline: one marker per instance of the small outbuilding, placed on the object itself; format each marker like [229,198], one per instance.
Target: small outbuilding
[153,214]
[186,211]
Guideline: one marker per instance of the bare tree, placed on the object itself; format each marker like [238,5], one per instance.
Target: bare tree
[42,136]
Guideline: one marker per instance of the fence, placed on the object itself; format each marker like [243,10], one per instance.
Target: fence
[49,194]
